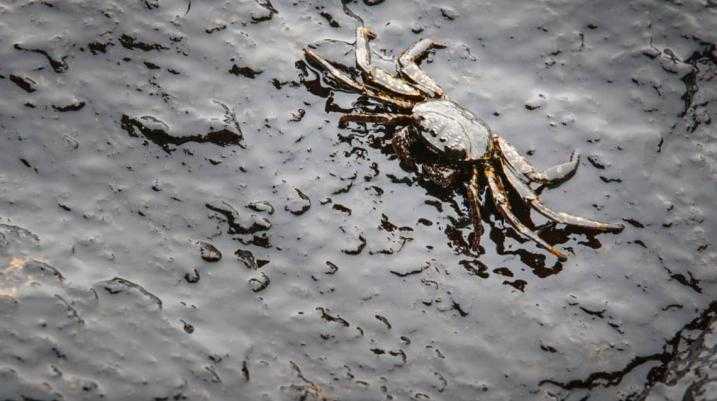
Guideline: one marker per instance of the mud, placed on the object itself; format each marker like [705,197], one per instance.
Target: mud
[134,135]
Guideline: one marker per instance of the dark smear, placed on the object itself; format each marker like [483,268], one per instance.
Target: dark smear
[383,320]
[59,66]
[330,19]
[98,47]
[400,353]
[213,375]
[70,107]
[517,284]
[25,83]
[359,248]
[345,189]
[119,285]
[244,71]
[261,18]
[386,225]
[237,224]
[672,306]
[634,223]
[609,180]
[262,241]
[341,208]
[28,165]
[405,273]
[298,205]
[245,370]
[130,43]
[684,347]
[590,312]
[458,308]
[158,136]
[475,267]
[595,161]
[690,79]
[192,277]
[261,206]
[449,13]
[692,282]
[548,348]
[640,243]
[216,29]
[314,85]
[333,268]
[503,271]
[331,318]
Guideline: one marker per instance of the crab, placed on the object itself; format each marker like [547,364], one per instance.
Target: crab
[461,145]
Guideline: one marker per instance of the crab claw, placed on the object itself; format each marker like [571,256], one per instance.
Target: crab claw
[368,32]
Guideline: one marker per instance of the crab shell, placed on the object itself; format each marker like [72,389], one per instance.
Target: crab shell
[453,131]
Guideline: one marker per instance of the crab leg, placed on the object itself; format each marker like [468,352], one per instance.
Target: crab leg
[340,76]
[473,198]
[379,118]
[551,176]
[532,199]
[408,66]
[501,202]
[375,75]
[401,143]
[349,82]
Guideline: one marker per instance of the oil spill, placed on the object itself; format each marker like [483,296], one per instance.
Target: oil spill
[127,140]
[136,127]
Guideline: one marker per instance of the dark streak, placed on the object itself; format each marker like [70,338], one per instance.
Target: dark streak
[70,107]
[135,127]
[383,320]
[131,43]
[410,272]
[59,66]
[330,318]
[245,71]
[25,83]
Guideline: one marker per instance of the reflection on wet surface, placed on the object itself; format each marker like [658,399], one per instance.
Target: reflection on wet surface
[181,216]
